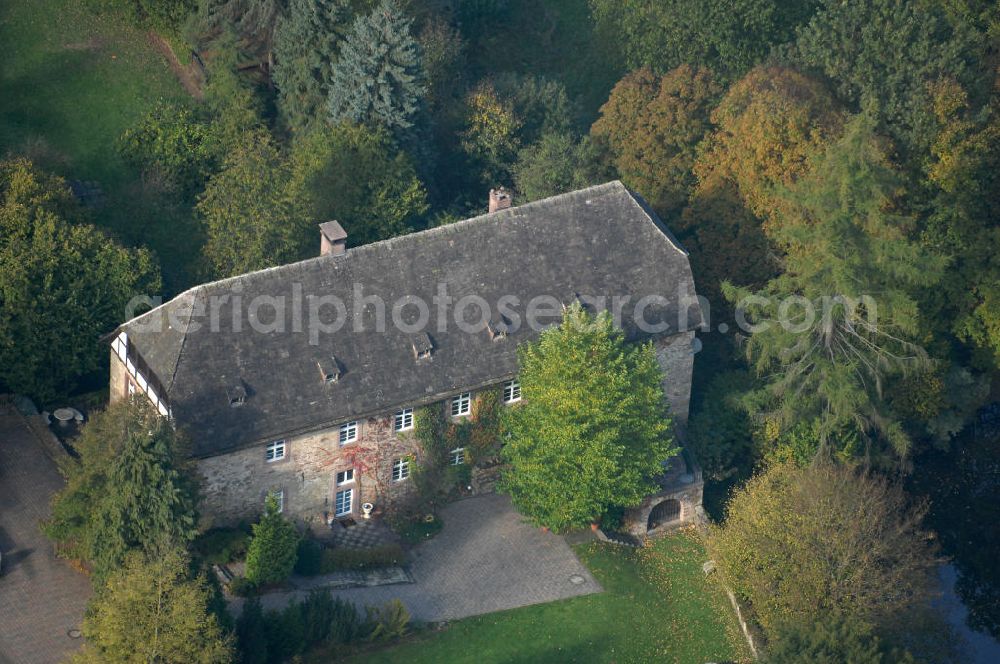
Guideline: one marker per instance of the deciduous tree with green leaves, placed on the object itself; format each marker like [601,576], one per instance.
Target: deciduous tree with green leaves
[249,212]
[593,429]
[274,547]
[151,610]
[557,164]
[63,283]
[800,542]
[356,175]
[130,490]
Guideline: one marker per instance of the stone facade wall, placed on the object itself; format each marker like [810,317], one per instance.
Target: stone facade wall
[236,483]
[675,355]
[636,520]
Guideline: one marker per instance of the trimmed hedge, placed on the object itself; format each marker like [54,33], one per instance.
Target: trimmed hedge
[335,560]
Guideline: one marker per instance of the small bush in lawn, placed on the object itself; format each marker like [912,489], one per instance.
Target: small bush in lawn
[335,560]
[274,547]
[310,558]
[387,622]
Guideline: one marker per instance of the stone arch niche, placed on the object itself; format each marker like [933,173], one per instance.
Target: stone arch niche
[663,513]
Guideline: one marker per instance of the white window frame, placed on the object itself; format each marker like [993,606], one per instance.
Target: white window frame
[349,432]
[461,405]
[348,502]
[280,495]
[400,469]
[403,420]
[275,451]
[512,391]
[348,475]
[457,456]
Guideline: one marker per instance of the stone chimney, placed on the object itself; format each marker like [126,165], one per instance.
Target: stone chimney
[333,239]
[500,199]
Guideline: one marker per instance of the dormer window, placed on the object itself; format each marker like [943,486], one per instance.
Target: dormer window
[498,327]
[329,370]
[237,396]
[422,346]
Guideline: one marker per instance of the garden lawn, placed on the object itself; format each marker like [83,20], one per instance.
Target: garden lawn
[71,82]
[657,606]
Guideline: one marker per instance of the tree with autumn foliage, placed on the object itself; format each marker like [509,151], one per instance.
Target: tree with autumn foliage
[768,126]
[593,430]
[653,125]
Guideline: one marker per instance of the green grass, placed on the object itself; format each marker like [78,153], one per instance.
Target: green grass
[71,82]
[657,606]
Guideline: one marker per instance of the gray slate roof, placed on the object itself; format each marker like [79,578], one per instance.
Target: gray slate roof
[598,241]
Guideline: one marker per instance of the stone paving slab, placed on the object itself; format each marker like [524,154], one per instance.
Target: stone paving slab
[41,597]
[485,559]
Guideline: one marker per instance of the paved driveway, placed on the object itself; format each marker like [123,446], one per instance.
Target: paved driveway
[485,559]
[41,598]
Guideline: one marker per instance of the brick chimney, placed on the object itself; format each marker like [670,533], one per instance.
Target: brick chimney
[500,199]
[333,239]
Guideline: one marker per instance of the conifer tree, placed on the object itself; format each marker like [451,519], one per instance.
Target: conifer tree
[849,260]
[378,77]
[306,42]
[274,548]
[129,491]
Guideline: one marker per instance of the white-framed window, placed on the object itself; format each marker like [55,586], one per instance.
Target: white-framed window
[400,469]
[275,451]
[345,477]
[344,502]
[279,495]
[457,456]
[461,404]
[348,432]
[403,420]
[511,391]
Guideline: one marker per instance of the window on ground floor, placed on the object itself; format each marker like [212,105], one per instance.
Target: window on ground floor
[344,503]
[345,476]
[400,469]
[279,495]
[457,456]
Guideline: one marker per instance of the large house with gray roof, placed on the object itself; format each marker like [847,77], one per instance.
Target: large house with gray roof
[303,379]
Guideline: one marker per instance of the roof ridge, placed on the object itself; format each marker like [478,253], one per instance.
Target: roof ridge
[371,246]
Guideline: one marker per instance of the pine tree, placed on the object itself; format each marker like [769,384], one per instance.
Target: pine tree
[129,490]
[848,257]
[306,42]
[593,429]
[379,76]
[147,498]
[274,548]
